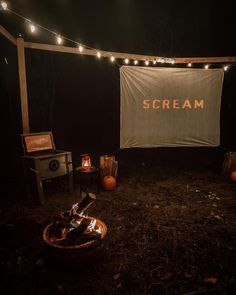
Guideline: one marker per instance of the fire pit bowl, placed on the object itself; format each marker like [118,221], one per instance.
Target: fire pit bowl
[74,250]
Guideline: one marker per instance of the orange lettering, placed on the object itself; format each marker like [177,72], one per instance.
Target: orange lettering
[198,103]
[146,104]
[175,104]
[186,104]
[155,104]
[165,104]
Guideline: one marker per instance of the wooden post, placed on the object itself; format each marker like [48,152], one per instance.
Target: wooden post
[23,85]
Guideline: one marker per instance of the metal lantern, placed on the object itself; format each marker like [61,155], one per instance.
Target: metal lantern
[86,162]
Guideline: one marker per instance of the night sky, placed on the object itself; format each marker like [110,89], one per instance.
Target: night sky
[77,97]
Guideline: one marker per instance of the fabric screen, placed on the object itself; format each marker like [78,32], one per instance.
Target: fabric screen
[170,107]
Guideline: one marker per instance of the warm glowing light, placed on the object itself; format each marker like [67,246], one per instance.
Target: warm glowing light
[172,61]
[112,58]
[162,60]
[4,5]
[226,68]
[98,230]
[146,62]
[92,225]
[99,54]
[32,28]
[136,62]
[189,64]
[206,67]
[86,162]
[154,62]
[81,48]
[126,60]
[59,40]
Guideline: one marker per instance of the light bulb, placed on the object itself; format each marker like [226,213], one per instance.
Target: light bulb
[206,67]
[136,62]
[59,40]
[146,62]
[99,54]
[81,48]
[126,60]
[112,58]
[226,68]
[189,64]
[154,62]
[4,5]
[32,28]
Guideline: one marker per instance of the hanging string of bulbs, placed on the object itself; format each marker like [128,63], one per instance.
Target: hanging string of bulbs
[60,39]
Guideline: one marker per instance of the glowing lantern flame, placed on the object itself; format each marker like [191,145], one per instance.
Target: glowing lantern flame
[86,162]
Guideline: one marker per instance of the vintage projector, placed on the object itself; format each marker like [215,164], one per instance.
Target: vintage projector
[41,161]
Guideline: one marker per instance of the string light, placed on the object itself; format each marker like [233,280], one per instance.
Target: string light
[162,60]
[81,48]
[32,28]
[4,5]
[226,68]
[126,60]
[59,40]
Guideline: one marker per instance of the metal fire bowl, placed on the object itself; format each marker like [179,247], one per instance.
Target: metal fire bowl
[75,249]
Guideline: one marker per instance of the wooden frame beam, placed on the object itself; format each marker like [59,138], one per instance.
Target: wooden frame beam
[120,55]
[7,35]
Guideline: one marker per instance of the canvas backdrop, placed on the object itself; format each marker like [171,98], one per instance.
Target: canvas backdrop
[169,107]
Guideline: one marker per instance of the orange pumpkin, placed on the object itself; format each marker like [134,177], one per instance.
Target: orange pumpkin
[108,183]
[233,176]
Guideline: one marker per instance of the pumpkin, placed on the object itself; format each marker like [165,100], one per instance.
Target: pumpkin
[108,183]
[233,175]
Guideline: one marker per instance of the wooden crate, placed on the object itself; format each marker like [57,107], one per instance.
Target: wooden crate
[108,166]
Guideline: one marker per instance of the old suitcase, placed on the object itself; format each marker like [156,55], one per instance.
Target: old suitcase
[41,161]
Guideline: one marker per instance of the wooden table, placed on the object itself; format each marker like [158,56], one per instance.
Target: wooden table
[90,175]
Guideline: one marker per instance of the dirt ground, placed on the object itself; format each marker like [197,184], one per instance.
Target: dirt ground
[169,232]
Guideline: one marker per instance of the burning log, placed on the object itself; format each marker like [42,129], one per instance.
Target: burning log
[78,229]
[90,238]
[74,227]
[78,209]
[86,202]
[83,233]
